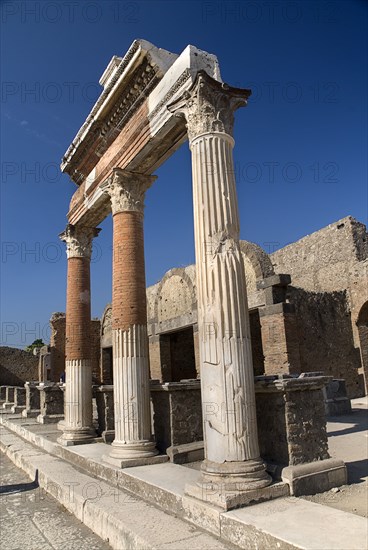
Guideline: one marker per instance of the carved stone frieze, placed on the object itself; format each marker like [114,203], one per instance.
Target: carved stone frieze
[209,106]
[79,240]
[127,190]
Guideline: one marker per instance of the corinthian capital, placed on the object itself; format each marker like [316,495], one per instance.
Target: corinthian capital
[79,240]
[209,106]
[127,190]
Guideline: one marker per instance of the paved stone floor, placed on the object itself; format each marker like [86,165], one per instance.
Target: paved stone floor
[348,439]
[30,519]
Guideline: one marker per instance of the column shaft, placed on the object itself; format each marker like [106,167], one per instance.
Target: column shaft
[130,340]
[77,426]
[133,437]
[227,380]
[226,361]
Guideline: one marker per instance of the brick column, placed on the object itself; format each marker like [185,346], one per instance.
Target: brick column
[232,463]
[279,331]
[133,437]
[77,427]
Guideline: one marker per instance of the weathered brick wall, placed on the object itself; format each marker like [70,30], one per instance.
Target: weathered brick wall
[17,366]
[95,350]
[325,337]
[321,262]
[175,299]
[333,259]
[306,432]
[291,424]
[256,341]
[280,341]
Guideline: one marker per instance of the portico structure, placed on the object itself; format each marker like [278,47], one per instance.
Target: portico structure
[152,102]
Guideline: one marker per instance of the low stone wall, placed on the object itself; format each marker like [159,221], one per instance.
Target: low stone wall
[177,413]
[291,419]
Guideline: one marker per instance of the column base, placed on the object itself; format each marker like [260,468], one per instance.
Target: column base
[228,500]
[31,413]
[232,484]
[16,409]
[49,418]
[124,455]
[76,437]
[131,462]
[108,436]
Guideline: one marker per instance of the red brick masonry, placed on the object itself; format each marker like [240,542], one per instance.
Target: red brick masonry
[129,281]
[78,309]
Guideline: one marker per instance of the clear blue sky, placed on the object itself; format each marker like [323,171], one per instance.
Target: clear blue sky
[300,144]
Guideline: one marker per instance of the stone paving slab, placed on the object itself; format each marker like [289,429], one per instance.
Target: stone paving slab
[112,514]
[295,525]
[286,523]
[31,519]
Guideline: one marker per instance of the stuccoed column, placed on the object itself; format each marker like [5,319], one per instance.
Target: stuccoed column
[230,430]
[133,437]
[77,427]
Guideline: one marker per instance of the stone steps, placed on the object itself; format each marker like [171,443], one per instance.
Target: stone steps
[283,523]
[114,515]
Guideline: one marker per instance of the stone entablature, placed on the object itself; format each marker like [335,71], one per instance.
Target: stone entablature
[130,126]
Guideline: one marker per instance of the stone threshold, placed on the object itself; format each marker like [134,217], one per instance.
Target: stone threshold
[286,522]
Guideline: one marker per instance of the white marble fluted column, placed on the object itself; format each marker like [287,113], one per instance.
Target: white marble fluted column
[77,427]
[227,380]
[133,436]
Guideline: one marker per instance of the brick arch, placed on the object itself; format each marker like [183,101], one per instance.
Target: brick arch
[257,264]
[186,277]
[106,322]
[363,315]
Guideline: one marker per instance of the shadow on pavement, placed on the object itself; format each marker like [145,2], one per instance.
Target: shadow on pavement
[358,420]
[357,471]
[20,487]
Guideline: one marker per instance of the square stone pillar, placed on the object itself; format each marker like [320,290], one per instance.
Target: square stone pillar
[292,421]
[9,397]
[19,400]
[279,331]
[2,393]
[78,425]
[232,466]
[51,403]
[32,400]
[105,412]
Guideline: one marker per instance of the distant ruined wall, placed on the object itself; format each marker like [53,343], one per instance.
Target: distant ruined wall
[325,336]
[322,261]
[17,366]
[333,259]
[57,345]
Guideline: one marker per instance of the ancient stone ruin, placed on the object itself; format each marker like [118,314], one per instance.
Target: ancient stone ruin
[223,361]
